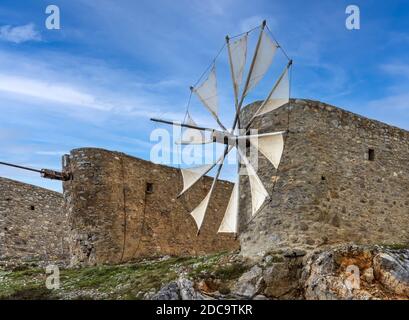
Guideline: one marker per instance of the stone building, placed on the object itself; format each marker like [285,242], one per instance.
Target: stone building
[343,178]
[33,224]
[121,208]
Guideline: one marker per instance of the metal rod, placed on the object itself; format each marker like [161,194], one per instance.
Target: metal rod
[175,123]
[20,167]
[235,88]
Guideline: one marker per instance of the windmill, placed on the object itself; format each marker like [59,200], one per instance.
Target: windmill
[270,144]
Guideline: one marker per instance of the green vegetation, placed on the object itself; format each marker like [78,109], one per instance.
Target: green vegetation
[396,246]
[128,281]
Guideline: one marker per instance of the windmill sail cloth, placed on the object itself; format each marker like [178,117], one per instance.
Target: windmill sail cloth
[258,193]
[207,93]
[238,54]
[192,136]
[264,58]
[229,223]
[279,96]
[271,146]
[192,175]
[199,212]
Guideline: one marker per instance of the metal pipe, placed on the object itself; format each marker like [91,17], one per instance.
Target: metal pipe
[20,167]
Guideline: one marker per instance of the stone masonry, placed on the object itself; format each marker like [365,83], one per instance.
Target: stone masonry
[122,208]
[343,179]
[33,225]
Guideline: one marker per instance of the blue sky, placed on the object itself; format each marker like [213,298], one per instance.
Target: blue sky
[113,64]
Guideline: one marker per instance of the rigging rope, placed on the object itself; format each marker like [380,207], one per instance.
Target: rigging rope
[243,33]
[210,66]
[278,44]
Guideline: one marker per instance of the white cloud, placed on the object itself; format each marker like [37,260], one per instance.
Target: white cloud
[396,69]
[49,91]
[399,101]
[19,34]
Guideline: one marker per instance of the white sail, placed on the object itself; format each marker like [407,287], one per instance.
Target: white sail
[193,136]
[192,175]
[279,96]
[207,93]
[199,212]
[264,58]
[258,193]
[238,54]
[229,223]
[270,145]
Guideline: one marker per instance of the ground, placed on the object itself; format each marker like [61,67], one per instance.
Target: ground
[138,280]
[341,272]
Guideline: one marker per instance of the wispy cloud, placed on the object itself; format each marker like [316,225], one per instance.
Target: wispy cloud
[49,91]
[396,69]
[19,34]
[399,101]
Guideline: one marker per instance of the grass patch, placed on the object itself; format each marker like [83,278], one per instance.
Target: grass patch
[396,246]
[128,281]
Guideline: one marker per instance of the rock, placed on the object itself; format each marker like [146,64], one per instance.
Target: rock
[168,292]
[260,297]
[187,291]
[368,275]
[282,279]
[268,259]
[294,253]
[335,274]
[392,270]
[250,283]
[182,289]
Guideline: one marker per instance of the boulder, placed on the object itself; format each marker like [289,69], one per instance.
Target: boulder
[250,283]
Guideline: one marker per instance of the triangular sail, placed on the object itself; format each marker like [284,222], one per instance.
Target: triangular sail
[279,95]
[237,55]
[263,60]
[230,219]
[207,93]
[193,136]
[199,212]
[270,145]
[192,175]
[258,193]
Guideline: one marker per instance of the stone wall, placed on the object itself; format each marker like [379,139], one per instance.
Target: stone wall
[122,208]
[327,190]
[33,225]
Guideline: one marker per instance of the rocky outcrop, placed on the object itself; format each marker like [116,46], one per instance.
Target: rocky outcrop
[354,272]
[182,289]
[348,272]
